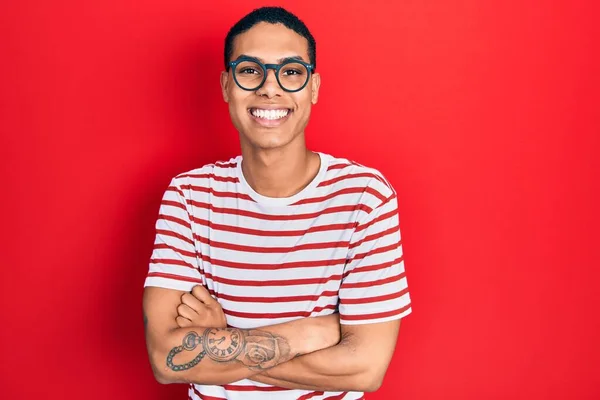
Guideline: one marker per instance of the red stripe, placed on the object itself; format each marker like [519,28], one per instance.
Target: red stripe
[375,315]
[173,204]
[374,299]
[382,217]
[340,192]
[374,267]
[377,250]
[249,283]
[384,181]
[252,388]
[244,283]
[270,217]
[378,177]
[171,262]
[279,282]
[211,176]
[338,166]
[353,163]
[270,250]
[250,299]
[310,395]
[206,397]
[290,282]
[276,233]
[222,164]
[372,283]
[175,249]
[381,234]
[336,397]
[349,176]
[267,233]
[273,267]
[175,189]
[216,193]
[175,235]
[288,314]
[387,214]
[179,221]
[174,277]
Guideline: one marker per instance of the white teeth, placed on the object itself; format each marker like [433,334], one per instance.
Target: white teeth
[269,114]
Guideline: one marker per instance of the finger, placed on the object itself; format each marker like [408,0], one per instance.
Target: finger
[192,302]
[183,322]
[186,312]
[203,295]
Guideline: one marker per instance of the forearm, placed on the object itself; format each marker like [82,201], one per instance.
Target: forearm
[337,368]
[263,378]
[223,355]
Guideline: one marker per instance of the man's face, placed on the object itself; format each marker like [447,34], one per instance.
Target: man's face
[270,43]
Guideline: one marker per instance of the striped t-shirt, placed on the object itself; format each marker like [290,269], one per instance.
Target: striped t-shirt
[333,247]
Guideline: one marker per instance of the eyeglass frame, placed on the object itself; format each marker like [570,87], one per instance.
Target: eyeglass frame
[275,67]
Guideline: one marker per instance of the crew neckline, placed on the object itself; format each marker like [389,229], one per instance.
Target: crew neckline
[282,201]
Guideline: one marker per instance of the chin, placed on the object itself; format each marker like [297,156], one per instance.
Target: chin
[268,139]
[269,144]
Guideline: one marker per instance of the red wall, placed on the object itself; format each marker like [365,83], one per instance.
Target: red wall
[485,117]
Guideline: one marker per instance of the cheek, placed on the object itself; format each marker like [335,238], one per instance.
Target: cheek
[236,114]
[237,104]
[303,104]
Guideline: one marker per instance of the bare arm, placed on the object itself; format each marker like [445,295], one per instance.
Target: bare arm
[219,355]
[374,287]
[357,363]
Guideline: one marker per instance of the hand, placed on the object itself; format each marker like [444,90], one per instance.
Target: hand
[199,308]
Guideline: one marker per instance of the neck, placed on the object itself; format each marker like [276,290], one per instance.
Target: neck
[280,172]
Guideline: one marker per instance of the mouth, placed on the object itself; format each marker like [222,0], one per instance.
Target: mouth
[270,116]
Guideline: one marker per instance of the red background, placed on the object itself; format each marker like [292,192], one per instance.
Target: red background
[483,115]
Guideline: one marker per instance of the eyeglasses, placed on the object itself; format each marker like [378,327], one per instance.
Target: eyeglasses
[250,74]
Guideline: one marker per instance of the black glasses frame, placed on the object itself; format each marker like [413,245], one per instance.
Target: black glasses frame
[266,68]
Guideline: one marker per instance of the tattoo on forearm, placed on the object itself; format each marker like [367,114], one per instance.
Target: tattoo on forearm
[254,348]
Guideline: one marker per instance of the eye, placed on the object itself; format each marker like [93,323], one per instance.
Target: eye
[248,70]
[292,71]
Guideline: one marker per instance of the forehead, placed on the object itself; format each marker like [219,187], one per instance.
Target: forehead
[270,42]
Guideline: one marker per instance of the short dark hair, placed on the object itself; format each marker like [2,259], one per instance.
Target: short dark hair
[272,15]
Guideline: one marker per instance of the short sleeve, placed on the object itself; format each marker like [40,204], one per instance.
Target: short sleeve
[174,263]
[374,286]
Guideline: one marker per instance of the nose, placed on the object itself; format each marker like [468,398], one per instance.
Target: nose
[270,87]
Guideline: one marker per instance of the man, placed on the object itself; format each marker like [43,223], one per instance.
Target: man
[279,273]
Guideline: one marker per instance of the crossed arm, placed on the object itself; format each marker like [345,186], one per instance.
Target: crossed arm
[357,363]
[188,341]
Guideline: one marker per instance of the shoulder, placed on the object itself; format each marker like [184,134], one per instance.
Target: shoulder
[204,176]
[347,174]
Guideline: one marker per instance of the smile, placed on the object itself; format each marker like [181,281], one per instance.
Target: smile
[270,114]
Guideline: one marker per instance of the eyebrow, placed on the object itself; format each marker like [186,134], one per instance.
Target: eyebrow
[279,61]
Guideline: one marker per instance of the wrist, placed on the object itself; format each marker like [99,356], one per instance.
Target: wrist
[320,332]
[303,340]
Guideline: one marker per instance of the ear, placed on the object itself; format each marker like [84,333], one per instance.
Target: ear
[315,85]
[225,85]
